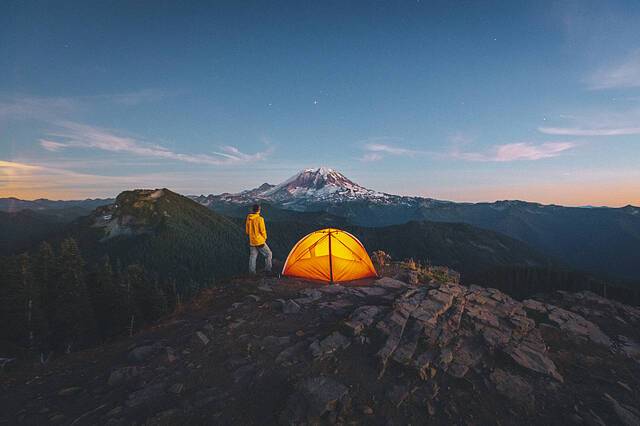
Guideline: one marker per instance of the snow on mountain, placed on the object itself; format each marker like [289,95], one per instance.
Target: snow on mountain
[321,184]
[310,186]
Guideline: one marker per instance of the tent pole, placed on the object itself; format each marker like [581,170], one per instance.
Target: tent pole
[330,261]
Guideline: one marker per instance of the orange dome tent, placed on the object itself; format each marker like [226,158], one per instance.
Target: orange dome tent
[329,255]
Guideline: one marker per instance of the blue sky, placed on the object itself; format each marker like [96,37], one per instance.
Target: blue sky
[465,100]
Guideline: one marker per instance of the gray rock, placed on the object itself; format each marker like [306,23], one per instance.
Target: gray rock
[362,318]
[69,391]
[142,353]
[291,307]
[339,305]
[576,324]
[627,415]
[244,374]
[329,345]
[292,354]
[123,375]
[316,397]
[370,291]
[177,388]
[146,395]
[202,338]
[390,283]
[253,298]
[513,387]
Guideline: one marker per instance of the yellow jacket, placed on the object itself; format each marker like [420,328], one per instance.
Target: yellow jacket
[255,229]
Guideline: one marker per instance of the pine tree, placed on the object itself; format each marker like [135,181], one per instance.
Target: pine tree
[12,296]
[103,293]
[43,267]
[34,317]
[149,299]
[72,319]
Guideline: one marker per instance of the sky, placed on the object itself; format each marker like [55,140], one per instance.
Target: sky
[462,100]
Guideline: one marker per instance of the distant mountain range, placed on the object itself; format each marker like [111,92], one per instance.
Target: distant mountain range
[600,240]
[177,238]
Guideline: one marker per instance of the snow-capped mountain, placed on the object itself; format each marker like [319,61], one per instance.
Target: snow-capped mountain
[321,184]
[308,187]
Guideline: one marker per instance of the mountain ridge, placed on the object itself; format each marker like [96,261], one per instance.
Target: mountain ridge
[603,241]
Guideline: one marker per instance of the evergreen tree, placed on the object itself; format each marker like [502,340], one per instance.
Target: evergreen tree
[34,316]
[43,267]
[149,299]
[105,299]
[12,296]
[72,319]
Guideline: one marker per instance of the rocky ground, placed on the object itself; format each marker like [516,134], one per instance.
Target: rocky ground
[403,349]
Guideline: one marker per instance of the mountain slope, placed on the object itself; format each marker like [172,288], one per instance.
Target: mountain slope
[13,204]
[169,234]
[20,230]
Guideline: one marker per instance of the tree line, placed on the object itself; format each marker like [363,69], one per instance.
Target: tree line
[52,301]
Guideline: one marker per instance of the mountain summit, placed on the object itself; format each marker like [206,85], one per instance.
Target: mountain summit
[309,186]
[319,184]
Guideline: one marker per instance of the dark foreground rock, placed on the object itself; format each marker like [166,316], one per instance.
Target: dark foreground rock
[380,352]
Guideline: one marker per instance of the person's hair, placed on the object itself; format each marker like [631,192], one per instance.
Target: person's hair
[256,208]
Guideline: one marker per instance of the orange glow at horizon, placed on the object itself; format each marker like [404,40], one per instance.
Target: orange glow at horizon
[28,181]
[609,194]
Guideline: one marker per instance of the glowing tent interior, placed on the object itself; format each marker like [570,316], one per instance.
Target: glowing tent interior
[329,255]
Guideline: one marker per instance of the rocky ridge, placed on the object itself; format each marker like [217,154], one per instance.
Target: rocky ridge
[405,348]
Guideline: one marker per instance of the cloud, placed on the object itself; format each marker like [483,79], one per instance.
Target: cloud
[33,107]
[518,151]
[388,149]
[132,98]
[623,75]
[49,108]
[76,135]
[576,131]
[51,145]
[375,150]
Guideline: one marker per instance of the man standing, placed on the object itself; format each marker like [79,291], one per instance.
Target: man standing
[257,233]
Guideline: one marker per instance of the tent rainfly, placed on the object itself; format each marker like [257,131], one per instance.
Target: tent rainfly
[329,255]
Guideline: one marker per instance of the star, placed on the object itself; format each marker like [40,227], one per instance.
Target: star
[315,102]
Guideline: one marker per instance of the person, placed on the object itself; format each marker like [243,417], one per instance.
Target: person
[255,229]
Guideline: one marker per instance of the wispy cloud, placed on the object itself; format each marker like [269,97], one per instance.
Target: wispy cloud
[517,151]
[51,145]
[576,131]
[376,149]
[619,121]
[132,98]
[33,107]
[622,75]
[48,108]
[77,135]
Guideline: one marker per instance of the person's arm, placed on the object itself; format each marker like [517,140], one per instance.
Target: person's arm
[246,226]
[263,229]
